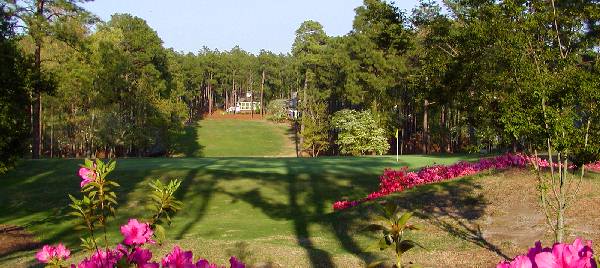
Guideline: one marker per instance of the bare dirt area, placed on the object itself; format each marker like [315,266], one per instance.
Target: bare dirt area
[15,238]
[219,114]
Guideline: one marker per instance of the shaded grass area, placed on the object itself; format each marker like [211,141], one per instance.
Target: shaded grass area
[270,209]
[237,138]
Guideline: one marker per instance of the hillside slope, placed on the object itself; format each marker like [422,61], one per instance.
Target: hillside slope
[235,138]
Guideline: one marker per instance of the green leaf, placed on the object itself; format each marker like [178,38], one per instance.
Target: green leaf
[110,199]
[378,245]
[99,164]
[160,233]
[88,163]
[112,165]
[406,245]
[414,227]
[404,219]
[390,209]
[76,214]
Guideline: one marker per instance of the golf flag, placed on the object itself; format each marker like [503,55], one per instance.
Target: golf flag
[396,133]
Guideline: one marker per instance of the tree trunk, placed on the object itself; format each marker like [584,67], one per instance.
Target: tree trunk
[425,141]
[210,95]
[262,91]
[251,99]
[303,104]
[37,112]
[51,141]
[37,93]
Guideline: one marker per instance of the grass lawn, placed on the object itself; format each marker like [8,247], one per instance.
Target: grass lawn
[230,137]
[262,209]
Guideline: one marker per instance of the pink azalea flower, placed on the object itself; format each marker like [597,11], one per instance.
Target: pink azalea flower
[87,176]
[576,255]
[546,259]
[399,180]
[101,259]
[136,233]
[45,254]
[140,256]
[518,262]
[178,259]
[235,263]
[62,252]
[202,263]
[49,253]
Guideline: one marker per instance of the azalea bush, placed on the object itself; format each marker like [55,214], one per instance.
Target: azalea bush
[398,180]
[561,255]
[277,110]
[98,204]
[594,166]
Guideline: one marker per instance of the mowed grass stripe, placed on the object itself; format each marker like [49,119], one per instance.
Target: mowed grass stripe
[235,138]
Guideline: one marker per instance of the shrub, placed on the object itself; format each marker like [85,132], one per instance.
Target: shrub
[277,110]
[398,180]
[576,255]
[359,133]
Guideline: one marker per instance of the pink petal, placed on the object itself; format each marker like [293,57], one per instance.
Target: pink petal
[546,260]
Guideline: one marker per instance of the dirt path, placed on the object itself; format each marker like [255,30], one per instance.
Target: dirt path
[14,238]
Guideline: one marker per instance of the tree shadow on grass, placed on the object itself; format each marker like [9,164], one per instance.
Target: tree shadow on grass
[206,189]
[292,134]
[311,187]
[186,143]
[453,207]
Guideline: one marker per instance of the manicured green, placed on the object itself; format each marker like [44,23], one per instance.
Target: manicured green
[217,138]
[282,203]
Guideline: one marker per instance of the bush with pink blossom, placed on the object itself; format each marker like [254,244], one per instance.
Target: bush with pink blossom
[98,205]
[399,180]
[594,166]
[579,254]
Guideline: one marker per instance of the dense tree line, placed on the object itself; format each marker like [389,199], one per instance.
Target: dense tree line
[480,76]
[14,98]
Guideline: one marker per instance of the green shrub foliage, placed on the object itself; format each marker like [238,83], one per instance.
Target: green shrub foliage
[359,133]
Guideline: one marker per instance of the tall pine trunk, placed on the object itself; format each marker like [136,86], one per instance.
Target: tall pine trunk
[251,99]
[425,142]
[37,106]
[210,95]
[262,91]
[303,104]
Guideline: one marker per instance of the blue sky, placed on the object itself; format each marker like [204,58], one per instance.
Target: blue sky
[188,25]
